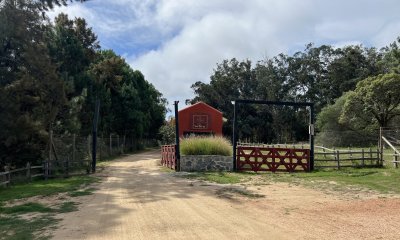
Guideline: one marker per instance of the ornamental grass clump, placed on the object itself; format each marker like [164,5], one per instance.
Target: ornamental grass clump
[206,146]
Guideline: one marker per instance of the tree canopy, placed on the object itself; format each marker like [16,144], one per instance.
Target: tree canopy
[375,99]
[318,74]
[51,74]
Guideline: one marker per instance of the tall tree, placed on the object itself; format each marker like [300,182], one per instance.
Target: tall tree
[32,93]
[375,98]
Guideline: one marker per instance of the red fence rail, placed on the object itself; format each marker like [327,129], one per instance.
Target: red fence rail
[168,156]
[252,158]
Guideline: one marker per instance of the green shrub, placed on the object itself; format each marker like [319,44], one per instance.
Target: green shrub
[206,146]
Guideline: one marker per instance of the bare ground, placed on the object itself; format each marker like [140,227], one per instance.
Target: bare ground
[137,200]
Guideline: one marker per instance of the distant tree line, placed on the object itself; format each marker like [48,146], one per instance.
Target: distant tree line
[354,88]
[51,75]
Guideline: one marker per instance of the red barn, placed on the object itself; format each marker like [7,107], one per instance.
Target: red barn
[200,118]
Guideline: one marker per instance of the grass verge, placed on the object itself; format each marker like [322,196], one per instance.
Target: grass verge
[30,220]
[229,192]
[17,228]
[381,180]
[45,188]
[220,177]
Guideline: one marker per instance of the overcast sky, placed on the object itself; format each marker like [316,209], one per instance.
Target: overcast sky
[175,43]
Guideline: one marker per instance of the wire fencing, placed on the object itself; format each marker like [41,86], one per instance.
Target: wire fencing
[72,155]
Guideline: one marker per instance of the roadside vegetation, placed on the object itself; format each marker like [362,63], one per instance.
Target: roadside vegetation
[206,146]
[380,180]
[25,213]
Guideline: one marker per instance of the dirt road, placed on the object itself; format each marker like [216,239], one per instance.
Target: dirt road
[138,201]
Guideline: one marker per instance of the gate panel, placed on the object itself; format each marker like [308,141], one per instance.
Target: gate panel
[168,156]
[249,158]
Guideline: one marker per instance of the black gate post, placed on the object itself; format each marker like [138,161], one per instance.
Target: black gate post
[312,132]
[177,149]
[94,139]
[234,135]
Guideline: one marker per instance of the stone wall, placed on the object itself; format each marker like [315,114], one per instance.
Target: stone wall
[206,163]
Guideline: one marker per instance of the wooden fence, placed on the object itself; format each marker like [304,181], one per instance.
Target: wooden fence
[333,158]
[72,155]
[396,152]
[26,173]
[46,170]
[168,156]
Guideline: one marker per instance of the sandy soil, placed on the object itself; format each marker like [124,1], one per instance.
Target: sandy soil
[138,201]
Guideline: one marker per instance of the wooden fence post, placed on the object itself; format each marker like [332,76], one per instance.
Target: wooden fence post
[338,159]
[45,170]
[395,159]
[362,158]
[370,155]
[379,161]
[110,145]
[7,176]
[123,146]
[28,171]
[119,147]
[66,165]
[351,153]
[50,151]
[73,147]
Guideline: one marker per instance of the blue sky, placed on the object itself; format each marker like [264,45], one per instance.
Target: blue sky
[178,42]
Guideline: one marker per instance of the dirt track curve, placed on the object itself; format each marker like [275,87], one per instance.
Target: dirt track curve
[136,200]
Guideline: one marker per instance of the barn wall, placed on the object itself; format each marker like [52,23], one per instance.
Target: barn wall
[187,115]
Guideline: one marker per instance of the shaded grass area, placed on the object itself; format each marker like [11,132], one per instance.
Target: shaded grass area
[17,221]
[32,207]
[16,228]
[228,193]
[79,193]
[45,188]
[382,180]
[13,224]
[26,208]
[220,177]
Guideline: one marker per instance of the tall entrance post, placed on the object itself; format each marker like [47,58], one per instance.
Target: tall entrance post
[177,149]
[94,138]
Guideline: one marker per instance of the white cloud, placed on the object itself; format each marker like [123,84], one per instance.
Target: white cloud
[178,42]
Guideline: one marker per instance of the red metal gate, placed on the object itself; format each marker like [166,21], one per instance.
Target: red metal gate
[249,158]
[168,156]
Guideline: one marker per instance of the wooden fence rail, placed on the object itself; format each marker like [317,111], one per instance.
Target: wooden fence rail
[331,158]
[48,169]
[7,176]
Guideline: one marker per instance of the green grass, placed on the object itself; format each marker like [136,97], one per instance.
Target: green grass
[26,208]
[228,192]
[382,180]
[67,207]
[45,188]
[12,223]
[31,207]
[79,193]
[16,228]
[206,146]
[220,177]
